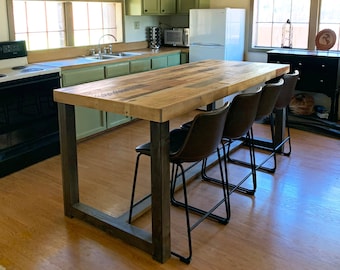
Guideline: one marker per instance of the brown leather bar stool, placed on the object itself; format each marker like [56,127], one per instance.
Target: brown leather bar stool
[240,118]
[269,97]
[186,147]
[286,94]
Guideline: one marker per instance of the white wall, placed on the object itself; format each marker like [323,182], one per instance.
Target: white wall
[4,36]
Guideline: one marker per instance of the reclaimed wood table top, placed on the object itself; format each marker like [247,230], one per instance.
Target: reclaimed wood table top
[163,94]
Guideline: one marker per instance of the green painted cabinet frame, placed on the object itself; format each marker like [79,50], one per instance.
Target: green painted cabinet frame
[88,121]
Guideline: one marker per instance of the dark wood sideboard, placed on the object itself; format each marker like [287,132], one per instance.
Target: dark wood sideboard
[319,72]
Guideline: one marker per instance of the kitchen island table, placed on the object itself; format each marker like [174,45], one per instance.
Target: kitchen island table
[157,96]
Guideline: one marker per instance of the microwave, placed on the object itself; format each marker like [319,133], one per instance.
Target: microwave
[176,37]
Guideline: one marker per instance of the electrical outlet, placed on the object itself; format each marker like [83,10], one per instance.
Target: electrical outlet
[137,25]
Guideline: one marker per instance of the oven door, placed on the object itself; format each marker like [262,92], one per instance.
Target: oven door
[29,129]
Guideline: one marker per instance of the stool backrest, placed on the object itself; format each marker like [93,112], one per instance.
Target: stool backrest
[241,114]
[287,91]
[269,96]
[203,136]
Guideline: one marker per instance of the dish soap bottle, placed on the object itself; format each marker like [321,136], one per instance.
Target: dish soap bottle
[287,35]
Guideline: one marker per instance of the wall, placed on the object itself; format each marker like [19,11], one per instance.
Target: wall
[132,34]
[3,21]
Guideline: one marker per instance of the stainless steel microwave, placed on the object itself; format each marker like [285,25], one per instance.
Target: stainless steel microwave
[176,37]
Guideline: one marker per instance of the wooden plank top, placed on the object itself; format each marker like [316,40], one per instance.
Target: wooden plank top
[163,94]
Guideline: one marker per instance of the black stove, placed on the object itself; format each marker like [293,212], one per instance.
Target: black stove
[29,129]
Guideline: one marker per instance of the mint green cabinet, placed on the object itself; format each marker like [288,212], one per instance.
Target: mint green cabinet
[111,71]
[117,69]
[165,61]
[140,65]
[91,121]
[184,57]
[159,62]
[82,75]
[88,121]
[174,59]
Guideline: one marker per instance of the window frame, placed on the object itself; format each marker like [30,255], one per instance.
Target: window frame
[68,19]
[314,16]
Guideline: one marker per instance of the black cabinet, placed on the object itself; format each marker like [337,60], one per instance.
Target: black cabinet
[319,72]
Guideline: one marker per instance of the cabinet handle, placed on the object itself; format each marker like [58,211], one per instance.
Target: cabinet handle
[163,10]
[321,81]
[323,66]
[145,10]
[300,64]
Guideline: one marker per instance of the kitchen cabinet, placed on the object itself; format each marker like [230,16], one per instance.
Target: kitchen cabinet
[165,61]
[115,70]
[319,72]
[159,62]
[174,59]
[88,121]
[183,6]
[184,57]
[150,7]
[140,65]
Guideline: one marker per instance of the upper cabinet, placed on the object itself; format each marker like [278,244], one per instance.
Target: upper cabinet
[150,7]
[183,6]
[163,7]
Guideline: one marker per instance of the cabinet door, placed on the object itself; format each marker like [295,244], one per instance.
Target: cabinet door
[115,119]
[159,62]
[174,60]
[151,6]
[168,7]
[116,70]
[88,121]
[184,57]
[82,75]
[140,65]
[183,6]
[111,71]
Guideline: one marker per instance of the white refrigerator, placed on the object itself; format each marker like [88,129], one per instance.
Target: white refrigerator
[216,34]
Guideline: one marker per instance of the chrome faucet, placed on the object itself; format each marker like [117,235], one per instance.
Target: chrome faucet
[105,50]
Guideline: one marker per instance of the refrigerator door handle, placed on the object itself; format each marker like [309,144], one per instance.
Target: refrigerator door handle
[206,44]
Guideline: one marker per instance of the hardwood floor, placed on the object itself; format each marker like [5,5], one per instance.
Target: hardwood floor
[292,222]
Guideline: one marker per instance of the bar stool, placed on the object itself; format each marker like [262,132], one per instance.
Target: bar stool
[186,147]
[269,97]
[240,118]
[286,94]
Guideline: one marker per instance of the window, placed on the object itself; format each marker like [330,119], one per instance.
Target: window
[307,17]
[329,18]
[56,24]
[269,17]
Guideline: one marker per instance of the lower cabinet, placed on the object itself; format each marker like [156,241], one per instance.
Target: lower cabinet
[88,121]
[111,71]
[159,62]
[174,60]
[91,121]
[184,57]
[118,69]
[140,65]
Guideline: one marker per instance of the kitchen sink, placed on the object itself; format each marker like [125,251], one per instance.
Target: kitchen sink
[126,54]
[112,55]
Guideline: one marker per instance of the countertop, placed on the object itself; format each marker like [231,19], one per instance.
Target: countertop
[87,61]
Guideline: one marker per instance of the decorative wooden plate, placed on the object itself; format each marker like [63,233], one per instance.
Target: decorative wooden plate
[325,39]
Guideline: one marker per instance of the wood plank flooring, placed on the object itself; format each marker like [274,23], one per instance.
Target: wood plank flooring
[292,222]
